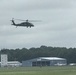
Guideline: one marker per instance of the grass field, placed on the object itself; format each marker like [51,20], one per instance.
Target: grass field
[62,70]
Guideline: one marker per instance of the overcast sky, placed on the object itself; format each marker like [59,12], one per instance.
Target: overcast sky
[57,27]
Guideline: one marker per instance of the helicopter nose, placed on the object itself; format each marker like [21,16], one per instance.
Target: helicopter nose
[32,25]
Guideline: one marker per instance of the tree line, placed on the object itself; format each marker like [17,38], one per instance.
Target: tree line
[43,51]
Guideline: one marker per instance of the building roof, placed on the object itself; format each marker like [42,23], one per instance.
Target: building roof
[46,59]
[52,58]
[13,62]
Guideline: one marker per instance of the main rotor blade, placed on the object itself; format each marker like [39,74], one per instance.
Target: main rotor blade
[29,20]
[20,19]
[34,20]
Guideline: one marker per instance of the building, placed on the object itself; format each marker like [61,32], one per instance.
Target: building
[12,64]
[45,61]
[4,60]
[5,63]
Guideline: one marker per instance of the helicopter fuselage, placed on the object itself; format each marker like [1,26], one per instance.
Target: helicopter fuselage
[24,24]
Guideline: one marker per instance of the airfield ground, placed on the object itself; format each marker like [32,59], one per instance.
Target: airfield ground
[62,70]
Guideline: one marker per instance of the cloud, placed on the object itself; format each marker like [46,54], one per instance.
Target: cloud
[25,5]
[58,26]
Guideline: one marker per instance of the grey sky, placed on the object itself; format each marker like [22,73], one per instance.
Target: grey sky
[58,26]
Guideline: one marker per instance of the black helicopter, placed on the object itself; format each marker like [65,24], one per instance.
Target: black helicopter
[24,24]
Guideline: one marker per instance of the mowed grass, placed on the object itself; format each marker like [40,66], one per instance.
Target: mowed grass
[62,70]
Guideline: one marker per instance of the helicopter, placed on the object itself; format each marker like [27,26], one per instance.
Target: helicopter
[23,24]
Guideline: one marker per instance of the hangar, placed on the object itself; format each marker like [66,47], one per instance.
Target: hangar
[45,61]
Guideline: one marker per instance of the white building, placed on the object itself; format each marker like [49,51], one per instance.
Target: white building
[4,60]
[14,64]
